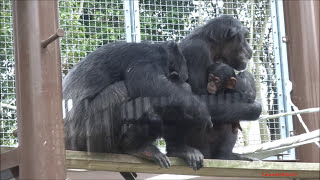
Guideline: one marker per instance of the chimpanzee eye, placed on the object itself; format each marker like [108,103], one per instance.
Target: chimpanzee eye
[216,79]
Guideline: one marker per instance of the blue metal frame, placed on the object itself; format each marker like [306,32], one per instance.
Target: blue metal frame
[282,73]
[132,22]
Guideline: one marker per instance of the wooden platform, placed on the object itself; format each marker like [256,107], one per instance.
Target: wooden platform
[77,160]
[220,168]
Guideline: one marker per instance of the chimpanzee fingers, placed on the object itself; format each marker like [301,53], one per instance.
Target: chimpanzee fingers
[199,162]
[168,162]
[194,164]
[192,161]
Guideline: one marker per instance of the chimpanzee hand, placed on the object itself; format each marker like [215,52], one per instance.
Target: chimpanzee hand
[152,153]
[194,112]
[192,156]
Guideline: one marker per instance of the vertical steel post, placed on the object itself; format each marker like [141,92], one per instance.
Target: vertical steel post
[39,95]
[132,22]
[282,73]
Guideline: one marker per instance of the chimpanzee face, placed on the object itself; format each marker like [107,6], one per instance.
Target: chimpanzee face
[236,51]
[214,83]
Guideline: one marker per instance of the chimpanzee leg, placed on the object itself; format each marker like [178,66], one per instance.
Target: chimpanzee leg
[177,145]
[223,142]
[139,138]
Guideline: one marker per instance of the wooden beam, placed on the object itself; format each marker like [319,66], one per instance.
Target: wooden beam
[77,160]
[9,158]
[220,168]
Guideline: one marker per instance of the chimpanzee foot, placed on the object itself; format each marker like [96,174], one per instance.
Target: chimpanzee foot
[192,156]
[152,153]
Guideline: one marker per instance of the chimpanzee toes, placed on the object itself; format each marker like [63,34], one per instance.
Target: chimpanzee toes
[194,159]
[162,160]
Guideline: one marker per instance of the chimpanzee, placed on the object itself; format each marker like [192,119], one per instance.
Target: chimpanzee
[144,68]
[222,38]
[222,80]
[221,77]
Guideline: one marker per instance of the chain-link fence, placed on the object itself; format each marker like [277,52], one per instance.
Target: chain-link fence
[89,24]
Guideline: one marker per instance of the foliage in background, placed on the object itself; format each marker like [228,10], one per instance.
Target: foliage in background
[7,80]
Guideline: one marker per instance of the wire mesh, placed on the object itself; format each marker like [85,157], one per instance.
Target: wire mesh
[173,20]
[89,24]
[7,79]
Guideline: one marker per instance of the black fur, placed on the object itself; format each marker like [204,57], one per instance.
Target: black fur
[113,74]
[221,39]
[218,142]
[99,85]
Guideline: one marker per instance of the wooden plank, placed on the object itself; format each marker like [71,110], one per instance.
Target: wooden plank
[220,168]
[77,160]
[9,158]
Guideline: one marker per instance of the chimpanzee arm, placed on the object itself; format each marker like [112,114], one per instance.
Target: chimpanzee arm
[149,80]
[233,112]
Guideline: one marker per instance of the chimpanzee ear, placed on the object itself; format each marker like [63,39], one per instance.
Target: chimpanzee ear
[231,84]
[231,32]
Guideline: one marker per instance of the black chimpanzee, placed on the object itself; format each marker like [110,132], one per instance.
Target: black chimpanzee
[223,81]
[144,68]
[220,39]
[221,78]
[92,126]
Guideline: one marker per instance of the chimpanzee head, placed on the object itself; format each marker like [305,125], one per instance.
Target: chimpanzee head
[177,63]
[228,41]
[220,77]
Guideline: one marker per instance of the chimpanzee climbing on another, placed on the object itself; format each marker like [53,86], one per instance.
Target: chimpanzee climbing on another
[144,68]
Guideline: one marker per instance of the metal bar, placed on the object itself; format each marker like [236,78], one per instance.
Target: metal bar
[132,22]
[136,20]
[282,77]
[284,72]
[39,91]
[127,19]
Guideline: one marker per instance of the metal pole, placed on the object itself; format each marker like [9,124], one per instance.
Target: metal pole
[39,95]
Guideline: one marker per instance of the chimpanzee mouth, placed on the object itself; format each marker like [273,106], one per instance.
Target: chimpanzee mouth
[219,59]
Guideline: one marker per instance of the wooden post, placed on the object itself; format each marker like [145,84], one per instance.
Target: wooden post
[302,30]
[39,92]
